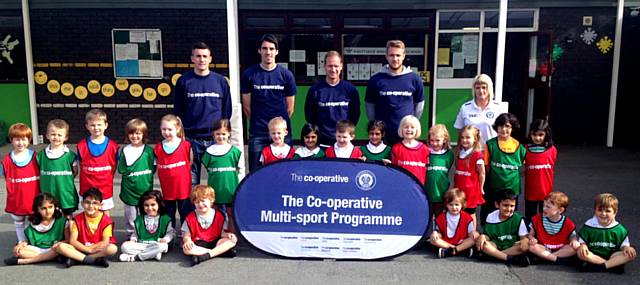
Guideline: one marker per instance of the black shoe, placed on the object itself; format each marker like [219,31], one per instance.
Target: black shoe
[230,253]
[61,259]
[533,259]
[71,262]
[101,261]
[11,261]
[195,260]
[523,260]
[590,267]
[617,270]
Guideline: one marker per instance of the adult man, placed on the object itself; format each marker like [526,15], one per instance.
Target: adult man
[331,100]
[200,98]
[267,92]
[394,92]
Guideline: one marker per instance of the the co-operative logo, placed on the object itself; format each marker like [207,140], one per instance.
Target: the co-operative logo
[365,180]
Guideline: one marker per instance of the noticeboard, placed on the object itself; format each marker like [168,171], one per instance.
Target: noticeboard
[137,53]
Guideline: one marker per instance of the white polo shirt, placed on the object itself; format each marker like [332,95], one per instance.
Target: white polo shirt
[471,114]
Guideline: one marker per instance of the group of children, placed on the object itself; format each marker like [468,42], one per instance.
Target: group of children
[40,187]
[486,176]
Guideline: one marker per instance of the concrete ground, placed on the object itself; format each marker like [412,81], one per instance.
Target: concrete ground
[581,172]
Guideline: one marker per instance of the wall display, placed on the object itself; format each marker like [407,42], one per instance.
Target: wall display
[164,89]
[81,92]
[12,52]
[40,77]
[53,86]
[174,78]
[331,209]
[122,84]
[135,90]
[137,53]
[604,44]
[66,89]
[589,36]
[108,90]
[149,94]
[93,86]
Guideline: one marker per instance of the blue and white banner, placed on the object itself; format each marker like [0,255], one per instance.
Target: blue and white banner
[340,209]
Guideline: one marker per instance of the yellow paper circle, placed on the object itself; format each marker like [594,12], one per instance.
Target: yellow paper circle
[164,89]
[53,86]
[135,90]
[66,89]
[81,92]
[40,77]
[150,94]
[93,86]
[122,84]
[108,90]
[174,78]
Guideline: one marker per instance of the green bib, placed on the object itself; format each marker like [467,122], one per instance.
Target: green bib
[137,178]
[384,154]
[603,242]
[504,234]
[48,238]
[144,235]
[56,177]
[504,168]
[438,175]
[223,174]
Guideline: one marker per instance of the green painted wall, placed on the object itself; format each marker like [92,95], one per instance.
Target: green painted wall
[361,128]
[14,106]
[448,102]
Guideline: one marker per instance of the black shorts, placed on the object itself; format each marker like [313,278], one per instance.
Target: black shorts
[470,211]
[212,244]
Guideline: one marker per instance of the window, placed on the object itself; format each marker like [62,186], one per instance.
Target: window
[264,22]
[459,20]
[515,19]
[363,23]
[313,23]
[458,55]
[411,22]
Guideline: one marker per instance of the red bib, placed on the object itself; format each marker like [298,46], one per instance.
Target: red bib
[174,171]
[461,229]
[415,160]
[210,234]
[553,242]
[22,185]
[331,152]
[97,171]
[539,174]
[268,157]
[466,179]
[86,237]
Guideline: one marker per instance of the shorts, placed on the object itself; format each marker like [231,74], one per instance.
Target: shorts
[470,211]
[38,250]
[212,244]
[107,204]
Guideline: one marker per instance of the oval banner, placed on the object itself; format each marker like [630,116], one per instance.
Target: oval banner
[339,209]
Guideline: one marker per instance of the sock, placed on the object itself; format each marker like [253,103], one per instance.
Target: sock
[88,260]
[204,257]
[509,260]
[11,261]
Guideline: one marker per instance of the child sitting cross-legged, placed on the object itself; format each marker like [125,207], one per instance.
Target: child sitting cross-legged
[204,237]
[454,232]
[502,230]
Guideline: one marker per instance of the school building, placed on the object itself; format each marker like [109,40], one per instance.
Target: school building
[59,58]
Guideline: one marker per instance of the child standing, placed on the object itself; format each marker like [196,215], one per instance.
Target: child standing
[48,227]
[604,243]
[501,230]
[469,175]
[174,168]
[343,148]
[58,167]
[552,235]
[539,162]
[137,164]
[278,149]
[153,232]
[98,156]
[504,156]
[222,161]
[410,153]
[20,169]
[309,135]
[204,237]
[454,232]
[91,240]
[376,150]
[440,160]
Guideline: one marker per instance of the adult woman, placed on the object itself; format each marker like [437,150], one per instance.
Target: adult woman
[482,111]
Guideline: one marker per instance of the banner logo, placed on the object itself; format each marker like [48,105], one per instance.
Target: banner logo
[365,180]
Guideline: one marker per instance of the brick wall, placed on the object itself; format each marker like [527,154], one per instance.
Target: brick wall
[84,36]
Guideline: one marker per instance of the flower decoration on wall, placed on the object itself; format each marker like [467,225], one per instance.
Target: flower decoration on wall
[605,44]
[589,36]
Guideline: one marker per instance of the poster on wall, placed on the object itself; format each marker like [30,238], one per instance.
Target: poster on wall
[336,209]
[137,53]
[13,66]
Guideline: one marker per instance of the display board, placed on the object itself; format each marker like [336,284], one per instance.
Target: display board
[331,208]
[137,53]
